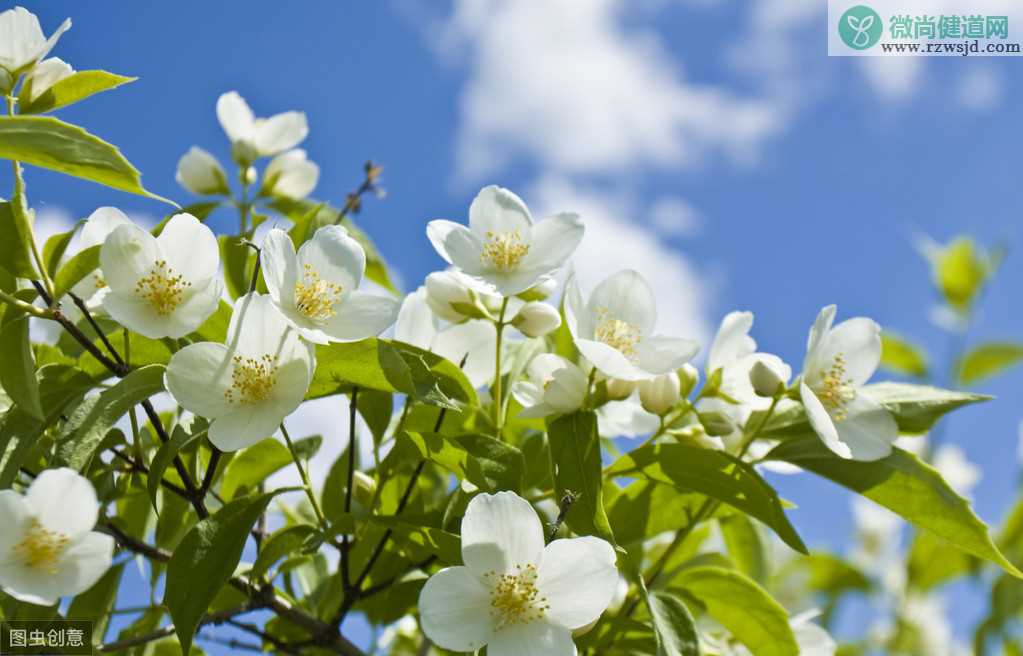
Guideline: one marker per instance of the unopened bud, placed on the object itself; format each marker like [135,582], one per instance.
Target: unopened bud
[445,292]
[249,175]
[765,380]
[619,390]
[689,376]
[660,394]
[244,153]
[537,319]
[716,423]
[539,291]
[364,488]
[201,173]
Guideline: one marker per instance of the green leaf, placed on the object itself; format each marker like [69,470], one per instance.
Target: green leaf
[916,408]
[52,144]
[828,573]
[902,356]
[81,435]
[987,360]
[376,408]
[442,544]
[752,616]
[745,545]
[55,248]
[18,373]
[165,456]
[256,463]
[82,264]
[933,561]
[674,627]
[576,462]
[715,474]
[285,542]
[487,463]
[238,259]
[905,485]
[205,561]
[75,87]
[960,270]
[15,255]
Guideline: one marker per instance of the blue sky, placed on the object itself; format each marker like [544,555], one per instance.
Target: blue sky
[710,143]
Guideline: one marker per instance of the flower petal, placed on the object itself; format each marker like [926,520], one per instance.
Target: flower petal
[235,117]
[625,296]
[578,577]
[821,326]
[474,341]
[99,225]
[334,256]
[245,426]
[732,341]
[610,361]
[198,377]
[195,308]
[258,328]
[361,315]
[13,516]
[457,245]
[416,324]
[661,355]
[454,609]
[64,501]
[52,41]
[83,563]
[190,248]
[822,423]
[500,531]
[499,211]
[553,242]
[280,267]
[128,254]
[136,314]
[858,342]
[280,132]
[533,639]
[580,323]
[868,429]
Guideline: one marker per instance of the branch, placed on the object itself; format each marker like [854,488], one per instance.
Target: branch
[353,201]
[164,631]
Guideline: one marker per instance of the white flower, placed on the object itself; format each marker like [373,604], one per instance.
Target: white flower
[44,75]
[625,418]
[48,549]
[734,352]
[660,395]
[253,137]
[961,474]
[201,173]
[515,595]
[614,329]
[878,549]
[93,287]
[811,638]
[502,245]
[317,288]
[537,319]
[555,387]
[473,340]
[22,42]
[162,286]
[247,386]
[290,175]
[451,293]
[839,361]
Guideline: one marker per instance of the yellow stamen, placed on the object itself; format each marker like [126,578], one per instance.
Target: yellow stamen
[836,391]
[252,379]
[316,297]
[616,333]
[162,288]
[503,250]
[514,598]
[41,548]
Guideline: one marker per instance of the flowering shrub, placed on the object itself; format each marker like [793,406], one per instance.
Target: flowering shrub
[497,513]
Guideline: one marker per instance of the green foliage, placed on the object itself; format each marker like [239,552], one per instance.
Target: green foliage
[18,375]
[960,270]
[15,255]
[486,462]
[986,360]
[575,460]
[674,627]
[77,86]
[902,356]
[82,264]
[256,463]
[905,485]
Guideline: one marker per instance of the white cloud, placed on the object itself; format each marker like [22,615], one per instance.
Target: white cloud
[981,89]
[674,216]
[894,79]
[568,86]
[615,239]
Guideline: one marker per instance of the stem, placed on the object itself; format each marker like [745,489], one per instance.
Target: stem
[496,388]
[346,576]
[27,308]
[306,484]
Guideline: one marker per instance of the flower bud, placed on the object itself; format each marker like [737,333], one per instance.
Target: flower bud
[765,380]
[200,173]
[244,153]
[716,423]
[537,319]
[446,290]
[540,291]
[42,76]
[660,394]
[364,487]
[249,175]
[290,175]
[689,376]
[619,390]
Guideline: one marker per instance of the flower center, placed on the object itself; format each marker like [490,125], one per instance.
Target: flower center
[514,598]
[617,334]
[503,250]
[836,391]
[41,548]
[162,288]
[316,297]
[252,379]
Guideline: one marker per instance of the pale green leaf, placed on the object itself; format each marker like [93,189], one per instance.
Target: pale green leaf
[488,463]
[82,264]
[254,464]
[674,627]
[18,373]
[15,253]
[576,461]
[987,360]
[902,356]
[75,87]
